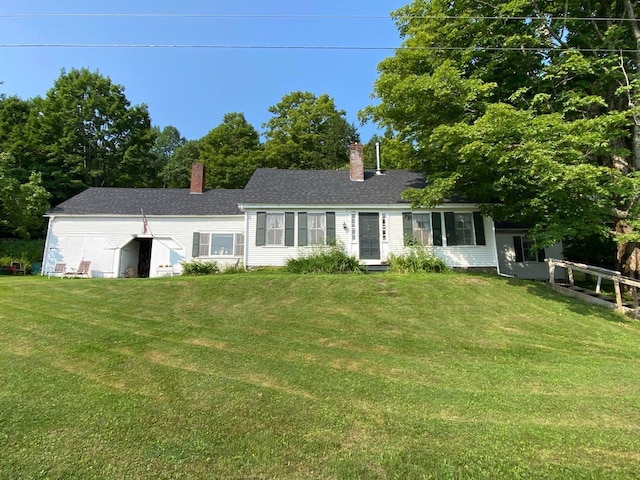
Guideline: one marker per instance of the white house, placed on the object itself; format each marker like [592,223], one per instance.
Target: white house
[135,231]
[280,214]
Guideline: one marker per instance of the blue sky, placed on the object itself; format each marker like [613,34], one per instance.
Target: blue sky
[192,88]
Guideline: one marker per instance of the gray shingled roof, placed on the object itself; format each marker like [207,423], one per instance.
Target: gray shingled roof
[267,186]
[153,201]
[306,187]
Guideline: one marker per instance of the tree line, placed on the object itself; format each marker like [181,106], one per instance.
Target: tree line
[530,108]
[85,133]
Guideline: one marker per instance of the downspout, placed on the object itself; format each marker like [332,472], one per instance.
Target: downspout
[245,257]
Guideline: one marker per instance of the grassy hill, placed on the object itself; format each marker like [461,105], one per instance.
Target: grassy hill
[268,375]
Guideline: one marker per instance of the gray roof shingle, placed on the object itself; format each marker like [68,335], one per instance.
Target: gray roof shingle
[307,187]
[153,201]
[266,186]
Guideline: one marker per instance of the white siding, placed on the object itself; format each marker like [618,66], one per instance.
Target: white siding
[109,242]
[277,256]
[466,256]
[106,241]
[459,256]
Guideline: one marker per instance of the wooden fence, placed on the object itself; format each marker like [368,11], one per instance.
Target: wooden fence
[600,273]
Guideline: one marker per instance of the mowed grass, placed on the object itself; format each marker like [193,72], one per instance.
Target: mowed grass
[268,375]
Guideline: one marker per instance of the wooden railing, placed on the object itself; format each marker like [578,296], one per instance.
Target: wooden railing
[617,278]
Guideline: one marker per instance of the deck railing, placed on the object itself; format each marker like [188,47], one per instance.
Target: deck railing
[616,277]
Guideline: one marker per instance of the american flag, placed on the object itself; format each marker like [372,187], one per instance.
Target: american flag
[145,223]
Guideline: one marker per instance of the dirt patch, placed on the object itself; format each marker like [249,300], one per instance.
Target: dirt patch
[203,342]
[473,281]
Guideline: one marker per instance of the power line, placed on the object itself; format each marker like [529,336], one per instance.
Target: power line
[319,17]
[305,47]
[194,15]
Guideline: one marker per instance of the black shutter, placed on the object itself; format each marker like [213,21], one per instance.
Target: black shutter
[302,229]
[450,228]
[195,249]
[517,245]
[331,228]
[407,228]
[436,226]
[289,232]
[541,255]
[261,228]
[478,224]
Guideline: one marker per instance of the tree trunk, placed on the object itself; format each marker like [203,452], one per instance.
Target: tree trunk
[628,255]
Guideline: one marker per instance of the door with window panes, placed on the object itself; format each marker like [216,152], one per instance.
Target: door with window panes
[369,224]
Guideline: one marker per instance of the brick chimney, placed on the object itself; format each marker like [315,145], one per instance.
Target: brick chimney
[356,162]
[197,178]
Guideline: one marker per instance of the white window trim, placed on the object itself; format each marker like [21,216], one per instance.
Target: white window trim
[323,215]
[354,227]
[429,231]
[384,227]
[267,229]
[209,243]
[473,230]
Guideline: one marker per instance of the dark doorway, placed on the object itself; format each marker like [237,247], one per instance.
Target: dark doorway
[144,257]
[369,236]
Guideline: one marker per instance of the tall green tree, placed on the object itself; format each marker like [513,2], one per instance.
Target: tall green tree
[22,204]
[94,134]
[529,107]
[167,141]
[14,117]
[230,152]
[308,132]
[177,171]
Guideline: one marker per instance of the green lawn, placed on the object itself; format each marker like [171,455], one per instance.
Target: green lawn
[267,375]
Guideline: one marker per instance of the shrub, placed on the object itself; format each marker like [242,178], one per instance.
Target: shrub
[417,258]
[233,268]
[200,268]
[22,250]
[325,259]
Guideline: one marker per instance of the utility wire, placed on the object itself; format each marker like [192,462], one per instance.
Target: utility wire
[304,47]
[320,17]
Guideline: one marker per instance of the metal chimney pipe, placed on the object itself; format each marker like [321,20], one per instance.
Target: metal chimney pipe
[378,170]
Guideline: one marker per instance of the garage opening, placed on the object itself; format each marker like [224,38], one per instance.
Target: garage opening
[135,260]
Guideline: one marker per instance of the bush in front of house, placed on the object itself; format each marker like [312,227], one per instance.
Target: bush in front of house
[417,258]
[325,259]
[200,268]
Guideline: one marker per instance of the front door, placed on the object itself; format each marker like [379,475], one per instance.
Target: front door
[369,236]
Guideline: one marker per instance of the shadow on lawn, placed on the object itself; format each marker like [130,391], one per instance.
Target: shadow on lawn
[544,290]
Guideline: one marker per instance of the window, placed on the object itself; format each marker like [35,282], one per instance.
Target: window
[383,224]
[316,228]
[525,250]
[275,229]
[221,244]
[239,246]
[203,249]
[421,228]
[354,232]
[464,228]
